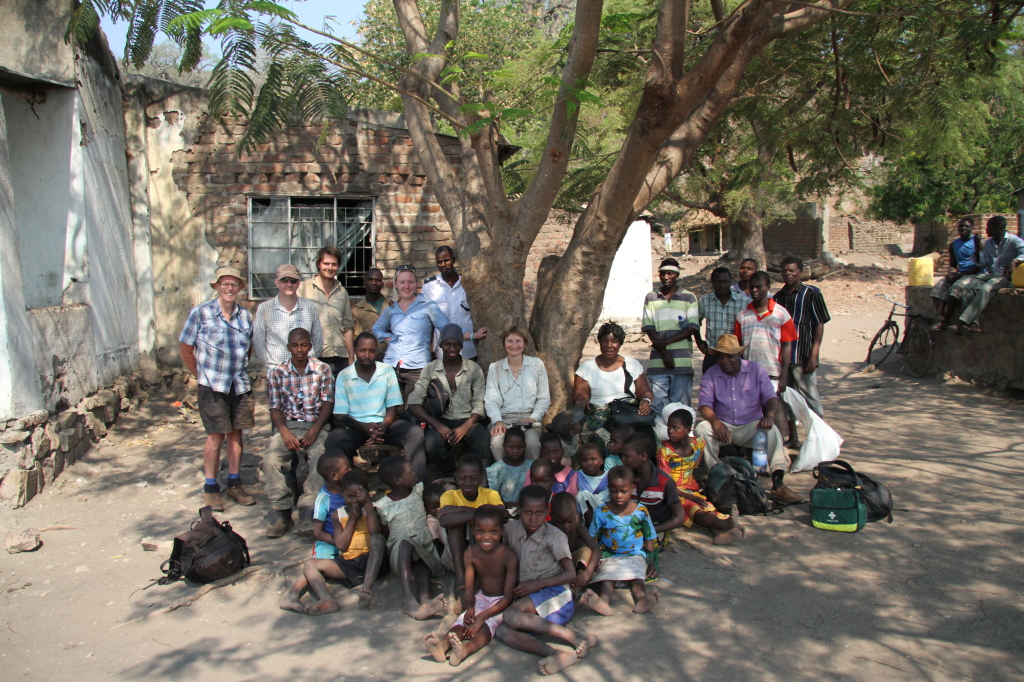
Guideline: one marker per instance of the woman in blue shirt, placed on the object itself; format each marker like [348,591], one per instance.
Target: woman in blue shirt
[408,326]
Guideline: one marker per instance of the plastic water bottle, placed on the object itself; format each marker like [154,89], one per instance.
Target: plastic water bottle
[761,451]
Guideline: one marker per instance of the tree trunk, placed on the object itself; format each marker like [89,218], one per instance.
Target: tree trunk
[748,235]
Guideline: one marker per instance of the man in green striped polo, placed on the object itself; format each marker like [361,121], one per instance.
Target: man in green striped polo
[671,323]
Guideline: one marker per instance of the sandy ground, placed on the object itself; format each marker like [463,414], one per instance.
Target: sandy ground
[936,595]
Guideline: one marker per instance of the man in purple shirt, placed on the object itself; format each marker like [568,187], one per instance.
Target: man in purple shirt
[737,399]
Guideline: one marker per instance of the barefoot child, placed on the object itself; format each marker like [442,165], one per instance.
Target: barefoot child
[353,554]
[592,480]
[544,601]
[678,457]
[458,507]
[490,578]
[616,438]
[508,475]
[431,504]
[626,535]
[410,545]
[564,475]
[585,552]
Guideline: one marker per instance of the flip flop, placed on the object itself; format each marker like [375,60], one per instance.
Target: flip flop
[956,330]
[940,327]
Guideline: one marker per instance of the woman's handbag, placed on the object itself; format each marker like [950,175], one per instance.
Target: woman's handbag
[626,411]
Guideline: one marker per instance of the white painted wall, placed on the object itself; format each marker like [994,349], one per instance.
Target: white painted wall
[630,278]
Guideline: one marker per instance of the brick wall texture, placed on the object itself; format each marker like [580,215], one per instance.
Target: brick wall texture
[799,236]
[853,234]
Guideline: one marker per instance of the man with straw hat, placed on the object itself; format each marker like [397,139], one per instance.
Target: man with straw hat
[215,345]
[736,400]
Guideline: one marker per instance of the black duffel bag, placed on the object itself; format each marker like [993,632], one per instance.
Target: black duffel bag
[208,551]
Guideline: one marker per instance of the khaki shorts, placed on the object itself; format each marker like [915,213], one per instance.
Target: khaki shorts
[581,556]
[226,412]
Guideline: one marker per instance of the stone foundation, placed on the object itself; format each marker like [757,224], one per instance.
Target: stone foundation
[35,449]
[993,358]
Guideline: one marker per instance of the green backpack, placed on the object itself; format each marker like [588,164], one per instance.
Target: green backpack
[836,501]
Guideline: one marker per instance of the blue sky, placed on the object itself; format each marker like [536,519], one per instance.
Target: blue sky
[311,12]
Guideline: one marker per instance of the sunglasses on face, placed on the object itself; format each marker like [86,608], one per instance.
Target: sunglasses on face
[288,280]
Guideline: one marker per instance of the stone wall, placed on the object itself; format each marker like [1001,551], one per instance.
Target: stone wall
[35,449]
[798,236]
[854,234]
[993,358]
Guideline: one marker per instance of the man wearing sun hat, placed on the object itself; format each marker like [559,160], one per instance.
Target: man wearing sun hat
[276,318]
[215,345]
[736,399]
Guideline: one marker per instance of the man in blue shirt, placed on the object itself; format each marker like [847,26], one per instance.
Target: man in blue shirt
[1000,255]
[366,402]
[964,252]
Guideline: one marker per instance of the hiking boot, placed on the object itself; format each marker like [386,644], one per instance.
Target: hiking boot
[238,494]
[783,495]
[305,525]
[213,500]
[282,525]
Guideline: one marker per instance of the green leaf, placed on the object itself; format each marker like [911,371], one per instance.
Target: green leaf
[225,24]
[475,55]
[272,8]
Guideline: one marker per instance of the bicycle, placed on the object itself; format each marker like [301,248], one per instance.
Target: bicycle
[916,346]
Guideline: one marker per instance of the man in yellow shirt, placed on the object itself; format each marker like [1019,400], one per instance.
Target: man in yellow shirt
[458,506]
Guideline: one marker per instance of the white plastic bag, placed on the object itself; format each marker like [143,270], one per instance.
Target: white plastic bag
[822,443]
[661,420]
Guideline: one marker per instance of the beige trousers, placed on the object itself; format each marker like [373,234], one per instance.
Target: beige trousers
[743,434]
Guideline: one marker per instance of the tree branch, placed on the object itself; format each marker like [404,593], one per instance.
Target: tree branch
[670,35]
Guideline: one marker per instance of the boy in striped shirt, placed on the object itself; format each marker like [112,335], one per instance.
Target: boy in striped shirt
[670,322]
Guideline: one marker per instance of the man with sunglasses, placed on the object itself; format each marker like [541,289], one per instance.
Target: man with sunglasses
[276,318]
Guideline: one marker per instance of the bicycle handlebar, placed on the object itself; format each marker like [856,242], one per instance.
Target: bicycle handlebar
[906,307]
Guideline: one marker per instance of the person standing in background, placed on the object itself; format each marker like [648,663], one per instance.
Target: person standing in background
[277,317]
[333,307]
[445,289]
[670,322]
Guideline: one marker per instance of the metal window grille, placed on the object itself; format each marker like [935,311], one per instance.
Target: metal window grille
[293,229]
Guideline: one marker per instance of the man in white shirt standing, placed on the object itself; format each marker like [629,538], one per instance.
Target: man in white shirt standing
[276,318]
[445,289]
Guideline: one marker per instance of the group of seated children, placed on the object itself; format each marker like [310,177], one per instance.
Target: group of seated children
[540,537]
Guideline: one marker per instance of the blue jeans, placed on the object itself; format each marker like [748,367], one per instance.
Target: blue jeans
[670,388]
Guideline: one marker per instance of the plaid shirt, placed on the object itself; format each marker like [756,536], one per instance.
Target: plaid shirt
[807,306]
[274,324]
[721,318]
[300,396]
[221,346]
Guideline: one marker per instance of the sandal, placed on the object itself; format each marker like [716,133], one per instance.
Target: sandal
[940,327]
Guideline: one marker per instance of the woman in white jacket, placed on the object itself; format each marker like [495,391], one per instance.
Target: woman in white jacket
[517,393]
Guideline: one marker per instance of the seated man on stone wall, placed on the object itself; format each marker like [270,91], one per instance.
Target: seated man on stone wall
[964,252]
[1001,253]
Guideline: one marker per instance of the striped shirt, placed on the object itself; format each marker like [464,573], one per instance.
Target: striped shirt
[721,318]
[662,317]
[764,335]
[274,324]
[807,307]
[221,346]
[300,396]
[364,401]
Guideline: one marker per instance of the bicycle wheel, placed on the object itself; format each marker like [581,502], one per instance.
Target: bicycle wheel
[917,350]
[883,344]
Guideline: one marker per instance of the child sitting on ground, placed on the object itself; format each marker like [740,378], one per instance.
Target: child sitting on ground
[458,506]
[592,481]
[410,545]
[564,474]
[491,569]
[585,552]
[624,531]
[352,553]
[431,504]
[678,457]
[508,476]
[616,439]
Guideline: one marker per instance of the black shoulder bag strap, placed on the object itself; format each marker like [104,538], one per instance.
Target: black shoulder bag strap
[629,381]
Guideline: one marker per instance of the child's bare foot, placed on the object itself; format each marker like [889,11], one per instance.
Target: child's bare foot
[436,646]
[584,643]
[291,603]
[649,601]
[322,607]
[365,597]
[437,606]
[591,600]
[557,662]
[457,654]
[728,537]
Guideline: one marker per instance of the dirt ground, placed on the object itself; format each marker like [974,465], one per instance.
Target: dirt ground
[936,595]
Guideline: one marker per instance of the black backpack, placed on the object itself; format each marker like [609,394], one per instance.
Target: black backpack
[733,481]
[208,551]
[876,496]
